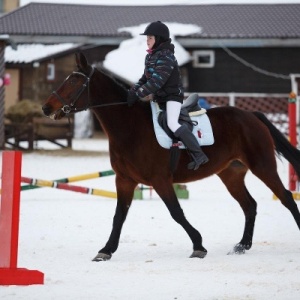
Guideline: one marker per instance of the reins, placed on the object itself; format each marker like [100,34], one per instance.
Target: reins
[107,104]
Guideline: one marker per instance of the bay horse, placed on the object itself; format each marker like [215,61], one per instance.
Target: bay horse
[244,141]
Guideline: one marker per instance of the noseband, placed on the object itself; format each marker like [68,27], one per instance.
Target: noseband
[69,108]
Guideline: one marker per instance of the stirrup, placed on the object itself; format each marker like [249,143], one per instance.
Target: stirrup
[193,165]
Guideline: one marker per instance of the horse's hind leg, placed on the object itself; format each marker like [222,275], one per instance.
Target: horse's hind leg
[267,172]
[233,177]
[166,191]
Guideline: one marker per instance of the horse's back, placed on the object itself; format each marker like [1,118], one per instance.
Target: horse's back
[232,116]
[229,111]
[233,126]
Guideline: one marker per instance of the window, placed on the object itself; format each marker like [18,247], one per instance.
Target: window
[185,77]
[203,59]
[50,71]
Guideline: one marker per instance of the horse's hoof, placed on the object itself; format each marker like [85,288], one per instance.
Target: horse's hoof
[238,249]
[199,254]
[101,257]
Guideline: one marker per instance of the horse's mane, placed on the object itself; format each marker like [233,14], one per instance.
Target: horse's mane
[121,87]
[118,86]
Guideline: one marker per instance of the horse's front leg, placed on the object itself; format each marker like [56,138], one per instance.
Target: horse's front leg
[125,191]
[166,191]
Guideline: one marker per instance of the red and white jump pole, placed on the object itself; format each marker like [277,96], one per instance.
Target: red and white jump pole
[293,179]
[10,274]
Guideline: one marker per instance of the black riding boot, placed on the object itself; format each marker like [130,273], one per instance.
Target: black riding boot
[190,141]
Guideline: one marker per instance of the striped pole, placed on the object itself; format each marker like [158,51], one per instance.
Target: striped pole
[293,137]
[68,187]
[72,179]
[2,91]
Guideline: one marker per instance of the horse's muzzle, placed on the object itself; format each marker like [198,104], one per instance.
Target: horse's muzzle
[47,110]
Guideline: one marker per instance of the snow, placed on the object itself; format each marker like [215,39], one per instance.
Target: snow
[34,52]
[61,231]
[134,50]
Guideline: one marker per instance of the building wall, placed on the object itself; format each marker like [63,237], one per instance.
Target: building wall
[230,75]
[9,5]
[35,85]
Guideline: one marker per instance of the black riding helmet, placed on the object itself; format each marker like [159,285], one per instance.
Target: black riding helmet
[159,30]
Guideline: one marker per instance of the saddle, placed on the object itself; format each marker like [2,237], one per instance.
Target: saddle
[192,115]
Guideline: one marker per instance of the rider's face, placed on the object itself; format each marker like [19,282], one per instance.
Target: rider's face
[150,41]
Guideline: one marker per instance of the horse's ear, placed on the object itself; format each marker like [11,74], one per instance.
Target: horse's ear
[81,61]
[77,59]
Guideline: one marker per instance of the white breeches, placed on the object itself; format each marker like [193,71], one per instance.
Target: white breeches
[173,111]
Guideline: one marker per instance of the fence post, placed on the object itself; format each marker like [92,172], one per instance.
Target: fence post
[9,224]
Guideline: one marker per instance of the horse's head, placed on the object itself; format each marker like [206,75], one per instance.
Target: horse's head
[73,94]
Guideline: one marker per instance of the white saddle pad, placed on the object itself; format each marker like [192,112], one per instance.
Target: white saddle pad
[203,131]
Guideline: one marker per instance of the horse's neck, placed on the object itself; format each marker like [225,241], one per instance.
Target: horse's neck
[107,90]
[123,124]
[118,120]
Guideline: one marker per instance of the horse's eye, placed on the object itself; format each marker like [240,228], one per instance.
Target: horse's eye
[72,81]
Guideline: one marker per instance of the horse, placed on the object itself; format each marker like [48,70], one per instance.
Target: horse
[244,141]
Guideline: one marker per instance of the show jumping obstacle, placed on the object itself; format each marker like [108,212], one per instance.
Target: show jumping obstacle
[10,274]
[68,187]
[293,178]
[180,190]
[62,184]
[73,179]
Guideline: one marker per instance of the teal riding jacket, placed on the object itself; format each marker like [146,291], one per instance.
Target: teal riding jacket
[161,76]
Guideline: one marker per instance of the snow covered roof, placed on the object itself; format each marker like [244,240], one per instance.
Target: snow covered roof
[34,52]
[76,22]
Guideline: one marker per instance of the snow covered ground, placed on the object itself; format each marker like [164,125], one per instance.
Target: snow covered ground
[61,231]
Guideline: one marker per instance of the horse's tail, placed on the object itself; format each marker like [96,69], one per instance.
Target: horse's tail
[282,145]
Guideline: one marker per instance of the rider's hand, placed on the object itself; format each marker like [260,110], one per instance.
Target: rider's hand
[132,98]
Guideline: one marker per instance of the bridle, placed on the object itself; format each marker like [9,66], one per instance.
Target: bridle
[71,108]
